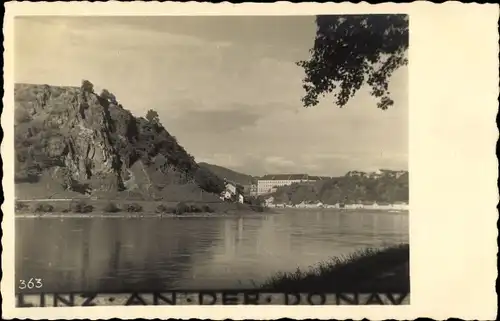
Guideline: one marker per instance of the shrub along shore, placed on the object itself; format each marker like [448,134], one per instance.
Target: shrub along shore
[383,270]
[116,207]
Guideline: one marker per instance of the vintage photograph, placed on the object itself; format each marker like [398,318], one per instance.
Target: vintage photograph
[208,154]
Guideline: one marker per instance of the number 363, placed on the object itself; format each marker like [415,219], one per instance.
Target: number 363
[30,284]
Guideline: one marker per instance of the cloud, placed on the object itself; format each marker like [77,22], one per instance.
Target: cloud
[217,121]
[220,158]
[254,164]
[279,161]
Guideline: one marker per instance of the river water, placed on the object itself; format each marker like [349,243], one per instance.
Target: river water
[125,254]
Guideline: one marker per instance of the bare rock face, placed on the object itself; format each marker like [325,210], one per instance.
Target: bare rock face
[93,143]
[71,129]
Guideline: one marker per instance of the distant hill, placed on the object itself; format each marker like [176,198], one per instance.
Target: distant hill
[229,174]
[71,141]
[381,186]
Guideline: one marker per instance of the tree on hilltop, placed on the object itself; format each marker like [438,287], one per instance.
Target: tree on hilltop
[106,95]
[352,50]
[87,86]
[152,116]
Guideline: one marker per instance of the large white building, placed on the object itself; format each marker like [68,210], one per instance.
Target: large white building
[269,183]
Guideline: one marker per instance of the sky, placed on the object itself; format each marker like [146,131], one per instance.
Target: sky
[227,87]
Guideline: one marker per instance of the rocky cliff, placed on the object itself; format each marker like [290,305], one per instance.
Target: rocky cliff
[74,140]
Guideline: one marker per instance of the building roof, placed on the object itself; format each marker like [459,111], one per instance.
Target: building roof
[291,177]
[283,177]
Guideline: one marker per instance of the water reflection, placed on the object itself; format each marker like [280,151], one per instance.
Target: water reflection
[90,254]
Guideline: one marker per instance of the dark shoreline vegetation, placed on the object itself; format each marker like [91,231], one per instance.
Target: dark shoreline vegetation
[103,206]
[369,270]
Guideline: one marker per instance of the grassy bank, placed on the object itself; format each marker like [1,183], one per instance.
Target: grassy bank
[369,270]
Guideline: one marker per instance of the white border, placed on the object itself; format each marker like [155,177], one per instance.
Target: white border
[453,169]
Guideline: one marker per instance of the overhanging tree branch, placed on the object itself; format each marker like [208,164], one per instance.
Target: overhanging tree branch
[353,50]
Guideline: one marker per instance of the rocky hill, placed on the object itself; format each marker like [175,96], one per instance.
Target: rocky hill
[381,186]
[229,174]
[72,141]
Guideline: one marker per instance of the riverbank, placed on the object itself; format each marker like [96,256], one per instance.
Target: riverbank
[334,209]
[123,208]
[370,270]
[127,215]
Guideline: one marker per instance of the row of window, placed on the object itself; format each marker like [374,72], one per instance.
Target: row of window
[273,183]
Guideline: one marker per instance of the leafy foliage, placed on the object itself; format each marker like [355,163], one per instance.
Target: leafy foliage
[256,203]
[111,208]
[207,209]
[162,208]
[32,138]
[209,181]
[81,207]
[351,50]
[182,208]
[230,175]
[44,208]
[134,207]
[21,206]
[87,86]
[22,116]
[152,116]
[106,95]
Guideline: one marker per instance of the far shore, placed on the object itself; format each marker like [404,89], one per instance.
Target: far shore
[129,215]
[152,214]
[107,208]
[340,209]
